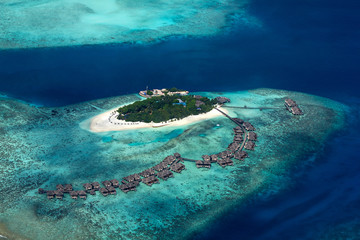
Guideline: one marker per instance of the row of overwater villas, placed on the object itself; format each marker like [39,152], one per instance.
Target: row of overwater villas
[163,170]
[224,158]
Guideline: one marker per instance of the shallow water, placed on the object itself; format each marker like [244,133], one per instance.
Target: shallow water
[27,24]
[43,150]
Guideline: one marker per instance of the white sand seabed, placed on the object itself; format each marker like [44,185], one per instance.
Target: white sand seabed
[107,121]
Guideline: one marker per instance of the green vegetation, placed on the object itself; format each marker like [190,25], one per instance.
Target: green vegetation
[163,108]
[174,89]
[149,92]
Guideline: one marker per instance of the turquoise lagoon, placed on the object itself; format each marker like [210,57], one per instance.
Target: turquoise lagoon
[50,23]
[43,146]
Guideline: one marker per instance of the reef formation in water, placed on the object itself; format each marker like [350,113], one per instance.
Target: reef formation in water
[51,23]
[42,147]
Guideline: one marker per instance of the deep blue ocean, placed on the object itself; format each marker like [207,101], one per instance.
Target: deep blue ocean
[311,46]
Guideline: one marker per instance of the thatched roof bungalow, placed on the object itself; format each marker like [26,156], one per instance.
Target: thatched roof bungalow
[290,103]
[104,192]
[239,120]
[74,194]
[169,160]
[206,157]
[87,186]
[165,174]
[249,145]
[248,126]
[59,194]
[82,194]
[252,136]
[177,167]
[213,158]
[111,190]
[68,188]
[150,180]
[115,183]
[50,194]
[96,185]
[241,155]
[106,183]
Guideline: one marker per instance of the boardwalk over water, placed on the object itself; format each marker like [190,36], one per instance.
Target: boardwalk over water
[237,123]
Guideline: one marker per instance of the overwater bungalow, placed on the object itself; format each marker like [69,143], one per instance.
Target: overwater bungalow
[68,188]
[290,103]
[136,177]
[222,154]
[115,183]
[206,157]
[50,194]
[248,126]
[104,192]
[111,190]
[238,120]
[150,180]
[87,186]
[296,111]
[228,153]
[60,186]
[161,166]
[228,162]
[59,194]
[147,172]
[203,164]
[124,187]
[82,194]
[252,136]
[234,146]
[238,139]
[241,155]
[96,186]
[74,194]
[92,192]
[249,145]
[169,160]
[177,155]
[292,106]
[238,128]
[177,167]
[222,162]
[213,158]
[106,183]
[222,100]
[41,191]
[131,186]
[165,174]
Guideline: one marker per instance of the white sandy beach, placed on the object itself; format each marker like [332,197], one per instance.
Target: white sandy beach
[107,121]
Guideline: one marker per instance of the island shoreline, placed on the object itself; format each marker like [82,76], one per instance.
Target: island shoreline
[101,122]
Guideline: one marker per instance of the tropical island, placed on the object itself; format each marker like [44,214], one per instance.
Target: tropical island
[173,108]
[164,108]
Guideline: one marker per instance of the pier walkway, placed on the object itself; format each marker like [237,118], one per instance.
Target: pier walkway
[255,108]
[240,125]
